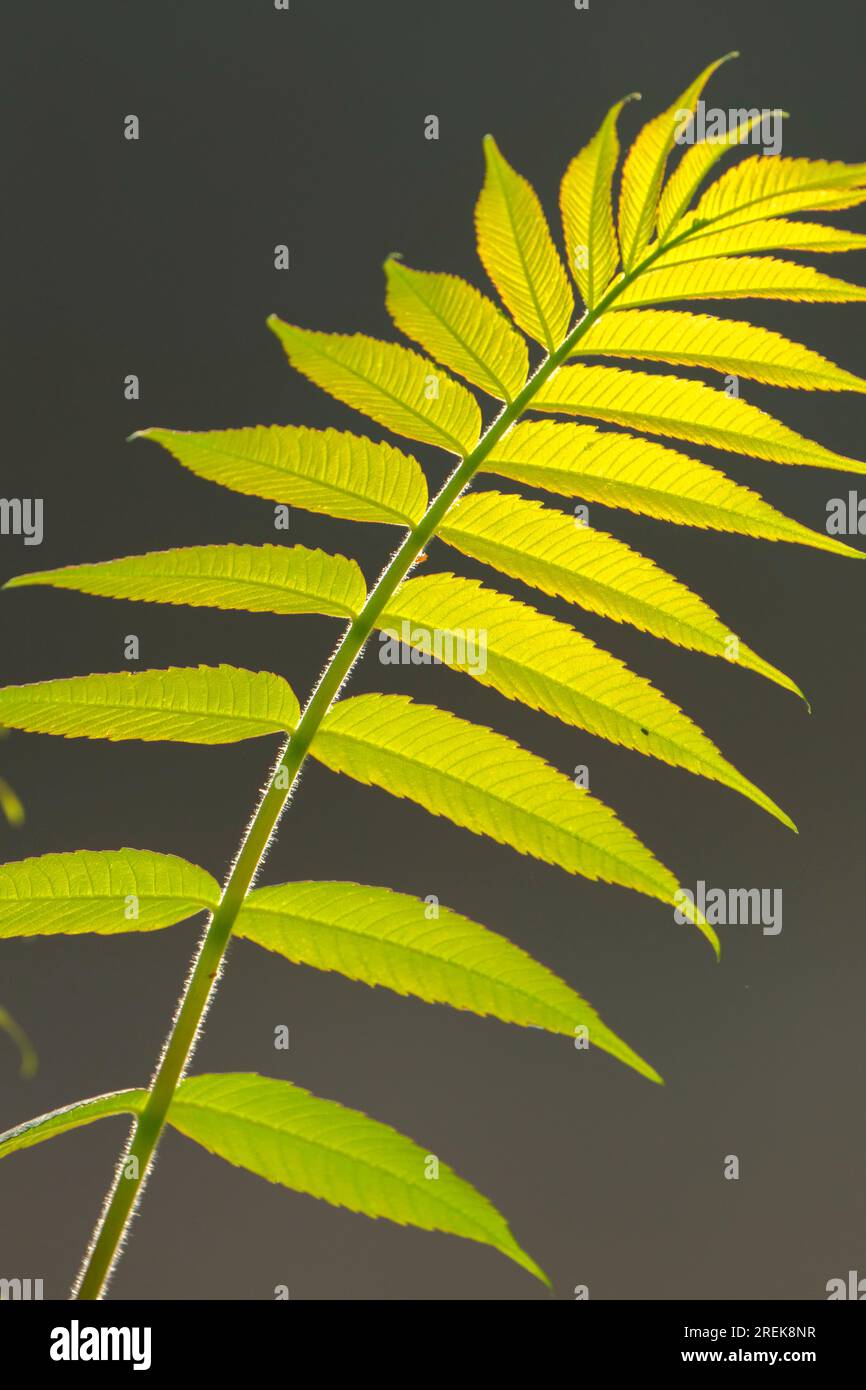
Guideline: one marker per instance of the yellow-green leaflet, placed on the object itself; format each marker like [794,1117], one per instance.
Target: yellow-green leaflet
[722,345]
[670,405]
[644,168]
[386,938]
[459,327]
[253,578]
[182,704]
[69,1117]
[330,471]
[488,784]
[391,384]
[740,277]
[587,214]
[621,470]
[550,551]
[774,234]
[103,891]
[518,253]
[765,187]
[10,804]
[28,1058]
[696,163]
[530,657]
[285,1134]
[288,1136]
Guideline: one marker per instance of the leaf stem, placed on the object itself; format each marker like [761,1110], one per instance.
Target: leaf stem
[136,1160]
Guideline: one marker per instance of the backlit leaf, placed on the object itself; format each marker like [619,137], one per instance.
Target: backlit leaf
[488,784]
[330,471]
[670,405]
[530,657]
[695,165]
[722,345]
[518,253]
[254,578]
[644,169]
[620,470]
[587,214]
[386,938]
[548,550]
[766,186]
[774,234]
[103,891]
[285,1134]
[69,1117]
[459,327]
[389,383]
[740,277]
[184,704]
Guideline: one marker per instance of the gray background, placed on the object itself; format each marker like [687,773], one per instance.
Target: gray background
[259,127]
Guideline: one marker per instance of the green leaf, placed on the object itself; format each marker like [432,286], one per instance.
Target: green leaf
[285,1134]
[10,804]
[696,163]
[83,1112]
[182,704]
[488,784]
[620,470]
[670,405]
[767,185]
[459,327]
[391,384]
[739,277]
[546,665]
[254,578]
[550,551]
[93,891]
[774,234]
[518,253]
[29,1061]
[721,345]
[385,938]
[587,213]
[644,169]
[330,471]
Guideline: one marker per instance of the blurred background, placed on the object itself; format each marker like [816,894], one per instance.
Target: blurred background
[156,257]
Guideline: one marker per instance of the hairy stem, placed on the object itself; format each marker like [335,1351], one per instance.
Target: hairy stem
[137,1157]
